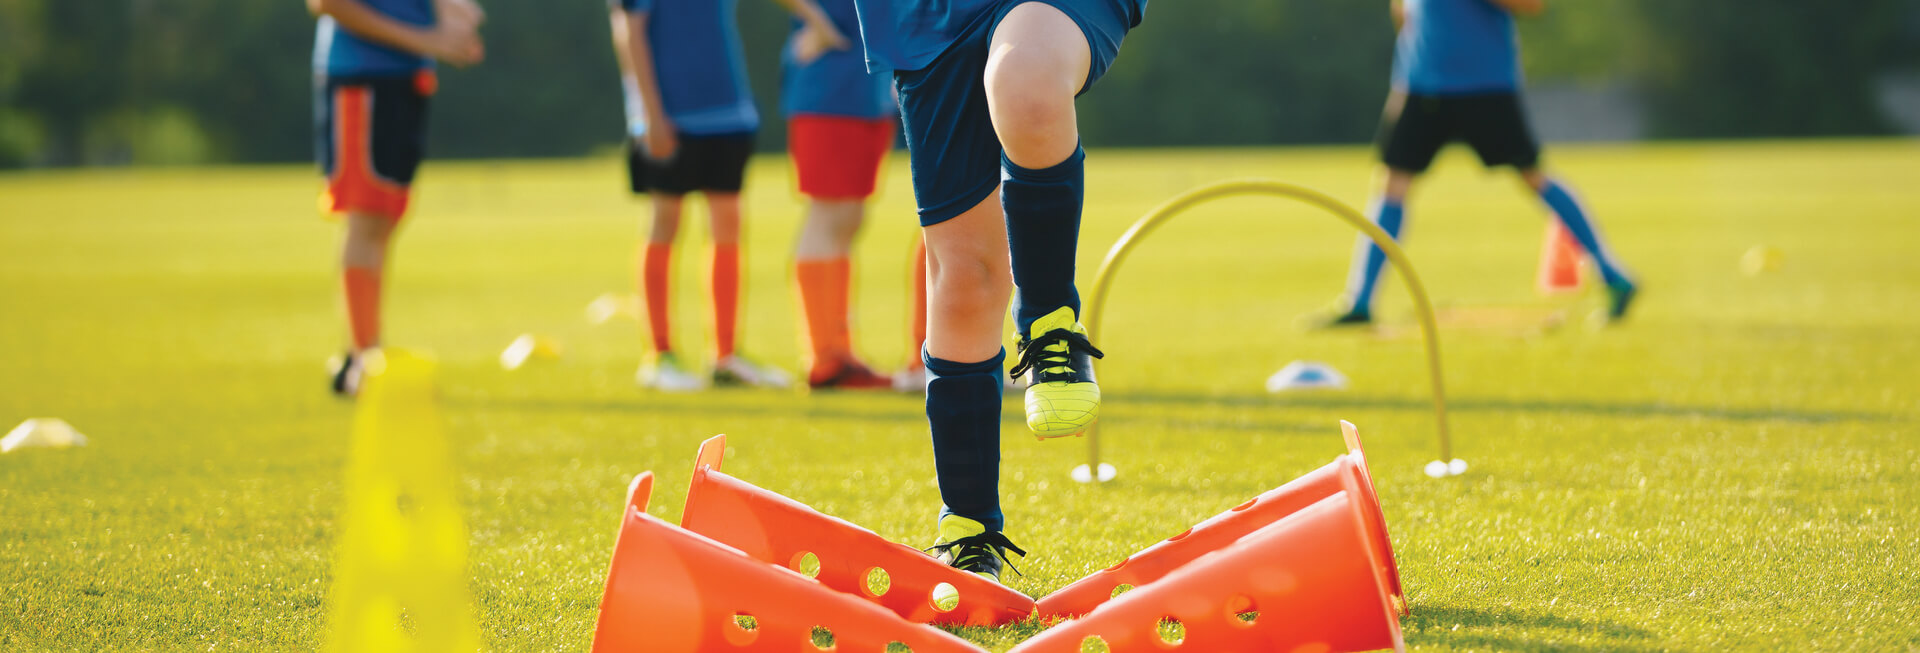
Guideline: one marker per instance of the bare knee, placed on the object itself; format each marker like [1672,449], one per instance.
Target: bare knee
[366,241]
[1037,64]
[972,285]
[666,219]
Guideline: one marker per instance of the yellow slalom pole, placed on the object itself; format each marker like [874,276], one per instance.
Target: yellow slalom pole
[1204,194]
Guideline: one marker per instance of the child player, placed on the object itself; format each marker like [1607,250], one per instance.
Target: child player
[373,72]
[1456,76]
[987,92]
[692,122]
[840,124]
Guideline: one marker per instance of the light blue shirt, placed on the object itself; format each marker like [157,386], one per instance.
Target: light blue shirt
[340,53]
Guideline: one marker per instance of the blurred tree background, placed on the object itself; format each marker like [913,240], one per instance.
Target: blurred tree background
[207,81]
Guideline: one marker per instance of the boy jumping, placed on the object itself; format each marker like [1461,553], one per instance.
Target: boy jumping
[987,92]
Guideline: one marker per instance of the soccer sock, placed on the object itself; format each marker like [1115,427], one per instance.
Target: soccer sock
[963,411]
[823,287]
[917,299]
[654,268]
[1043,234]
[1563,203]
[726,296]
[1368,259]
[361,289]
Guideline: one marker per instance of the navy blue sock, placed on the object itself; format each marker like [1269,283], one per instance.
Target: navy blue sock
[1571,214]
[1369,261]
[963,411]
[1043,234]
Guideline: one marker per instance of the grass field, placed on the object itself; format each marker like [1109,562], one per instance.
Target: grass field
[1738,467]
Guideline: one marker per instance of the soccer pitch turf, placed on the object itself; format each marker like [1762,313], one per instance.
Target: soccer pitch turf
[1734,468]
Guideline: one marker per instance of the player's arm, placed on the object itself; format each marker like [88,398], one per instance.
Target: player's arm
[635,50]
[1399,11]
[817,34]
[1524,8]
[453,38]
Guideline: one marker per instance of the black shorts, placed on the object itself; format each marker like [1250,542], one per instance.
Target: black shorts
[1494,124]
[703,163]
[369,136]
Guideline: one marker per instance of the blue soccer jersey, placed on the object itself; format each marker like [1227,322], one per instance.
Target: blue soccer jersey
[837,83]
[699,65]
[908,34]
[1456,47]
[339,53]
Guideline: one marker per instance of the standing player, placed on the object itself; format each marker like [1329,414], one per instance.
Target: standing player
[840,124]
[987,92]
[692,122]
[373,73]
[1456,76]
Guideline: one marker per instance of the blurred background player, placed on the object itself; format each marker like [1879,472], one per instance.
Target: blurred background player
[1456,76]
[373,72]
[691,120]
[987,91]
[840,125]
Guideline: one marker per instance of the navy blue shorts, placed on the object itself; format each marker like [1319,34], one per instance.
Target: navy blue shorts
[1493,124]
[954,150]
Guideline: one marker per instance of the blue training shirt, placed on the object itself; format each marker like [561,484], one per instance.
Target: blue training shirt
[338,52]
[1456,47]
[836,84]
[908,34]
[700,67]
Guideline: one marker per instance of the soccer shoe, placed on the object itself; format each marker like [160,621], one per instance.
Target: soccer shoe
[1062,397]
[736,370]
[847,374]
[665,374]
[1619,298]
[1339,318]
[966,545]
[346,374]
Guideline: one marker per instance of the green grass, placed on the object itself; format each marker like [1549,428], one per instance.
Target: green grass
[1734,469]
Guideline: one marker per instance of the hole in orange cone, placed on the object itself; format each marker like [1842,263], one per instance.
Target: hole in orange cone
[1093,644]
[878,582]
[806,563]
[1122,588]
[822,638]
[945,597]
[1180,536]
[741,630]
[898,647]
[1241,612]
[1172,631]
[1248,504]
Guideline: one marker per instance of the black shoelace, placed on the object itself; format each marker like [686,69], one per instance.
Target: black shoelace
[1053,365]
[965,549]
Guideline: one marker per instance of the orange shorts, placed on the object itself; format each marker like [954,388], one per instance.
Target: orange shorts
[838,157]
[372,135]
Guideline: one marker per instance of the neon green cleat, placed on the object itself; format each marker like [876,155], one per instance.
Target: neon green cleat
[1062,397]
[966,545]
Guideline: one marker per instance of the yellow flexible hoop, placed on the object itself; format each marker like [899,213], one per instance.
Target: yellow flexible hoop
[1208,193]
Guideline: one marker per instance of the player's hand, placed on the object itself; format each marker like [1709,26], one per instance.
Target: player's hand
[661,140]
[815,39]
[465,11]
[457,43]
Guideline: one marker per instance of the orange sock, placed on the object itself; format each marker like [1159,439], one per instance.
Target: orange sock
[654,267]
[823,302]
[361,288]
[726,296]
[917,303]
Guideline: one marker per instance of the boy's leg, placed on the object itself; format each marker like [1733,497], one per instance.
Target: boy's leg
[1388,211]
[1573,215]
[838,160]
[656,269]
[724,260]
[969,282]
[370,136]
[363,260]
[1038,61]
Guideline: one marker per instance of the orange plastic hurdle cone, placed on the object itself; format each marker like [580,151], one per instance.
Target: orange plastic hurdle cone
[1308,582]
[1156,561]
[849,558]
[1560,258]
[672,591]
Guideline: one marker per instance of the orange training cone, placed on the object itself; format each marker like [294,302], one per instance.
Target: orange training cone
[672,591]
[1560,258]
[1223,529]
[1308,582]
[844,556]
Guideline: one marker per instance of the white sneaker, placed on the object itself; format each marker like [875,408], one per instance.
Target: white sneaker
[912,379]
[737,370]
[666,375]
